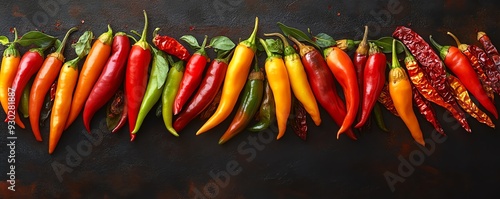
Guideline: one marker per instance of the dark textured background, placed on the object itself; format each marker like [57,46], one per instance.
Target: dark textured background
[158,165]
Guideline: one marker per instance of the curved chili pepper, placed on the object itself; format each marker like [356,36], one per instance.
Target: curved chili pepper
[420,81]
[277,76]
[425,108]
[30,63]
[462,96]
[489,48]
[401,94]
[460,66]
[136,76]
[386,100]
[192,77]
[323,84]
[154,88]
[174,79]
[431,64]
[110,79]
[237,71]
[249,104]
[359,61]
[10,64]
[343,69]
[488,66]
[379,118]
[267,110]
[91,70]
[116,113]
[25,97]
[209,86]
[170,46]
[373,82]
[66,84]
[41,84]
[300,86]
[474,61]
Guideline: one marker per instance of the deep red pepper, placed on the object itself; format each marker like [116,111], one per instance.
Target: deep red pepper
[29,65]
[373,82]
[425,108]
[488,66]
[192,77]
[359,61]
[386,100]
[489,48]
[136,76]
[110,80]
[209,86]
[323,84]
[171,46]
[460,66]
[116,113]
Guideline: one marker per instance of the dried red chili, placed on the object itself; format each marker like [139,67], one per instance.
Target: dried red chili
[425,108]
[386,100]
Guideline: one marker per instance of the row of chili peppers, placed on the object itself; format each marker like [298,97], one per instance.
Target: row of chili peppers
[189,90]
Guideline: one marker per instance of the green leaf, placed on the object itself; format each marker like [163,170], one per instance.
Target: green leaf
[221,43]
[4,40]
[162,67]
[385,44]
[83,45]
[275,45]
[191,40]
[37,38]
[296,33]
[324,41]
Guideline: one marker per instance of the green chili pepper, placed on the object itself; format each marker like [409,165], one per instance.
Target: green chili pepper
[154,88]
[249,104]
[169,91]
[267,111]
[25,98]
[377,112]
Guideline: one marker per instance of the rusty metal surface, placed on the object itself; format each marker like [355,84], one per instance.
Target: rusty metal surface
[158,165]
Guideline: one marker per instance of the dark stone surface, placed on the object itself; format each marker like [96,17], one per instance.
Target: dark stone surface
[158,165]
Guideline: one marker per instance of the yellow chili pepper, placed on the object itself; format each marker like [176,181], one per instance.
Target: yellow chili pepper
[280,85]
[300,85]
[236,76]
[401,94]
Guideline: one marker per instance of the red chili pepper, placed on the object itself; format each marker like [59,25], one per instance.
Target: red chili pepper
[30,63]
[488,66]
[343,69]
[386,100]
[192,77]
[490,48]
[209,87]
[323,84]
[359,60]
[110,80]
[171,46]
[425,108]
[373,82]
[136,76]
[460,66]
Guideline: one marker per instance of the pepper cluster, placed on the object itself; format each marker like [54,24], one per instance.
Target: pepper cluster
[296,81]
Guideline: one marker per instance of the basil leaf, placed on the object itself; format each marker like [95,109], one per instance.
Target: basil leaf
[385,44]
[324,41]
[37,38]
[221,43]
[83,45]
[191,40]
[4,40]
[162,67]
[275,45]
[296,33]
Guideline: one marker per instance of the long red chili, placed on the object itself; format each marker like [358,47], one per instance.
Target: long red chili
[460,66]
[209,87]
[136,76]
[323,84]
[373,82]
[110,80]
[343,69]
[489,48]
[192,77]
[359,60]
[488,66]
[29,65]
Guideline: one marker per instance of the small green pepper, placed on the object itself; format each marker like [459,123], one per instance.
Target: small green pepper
[267,111]
[250,101]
